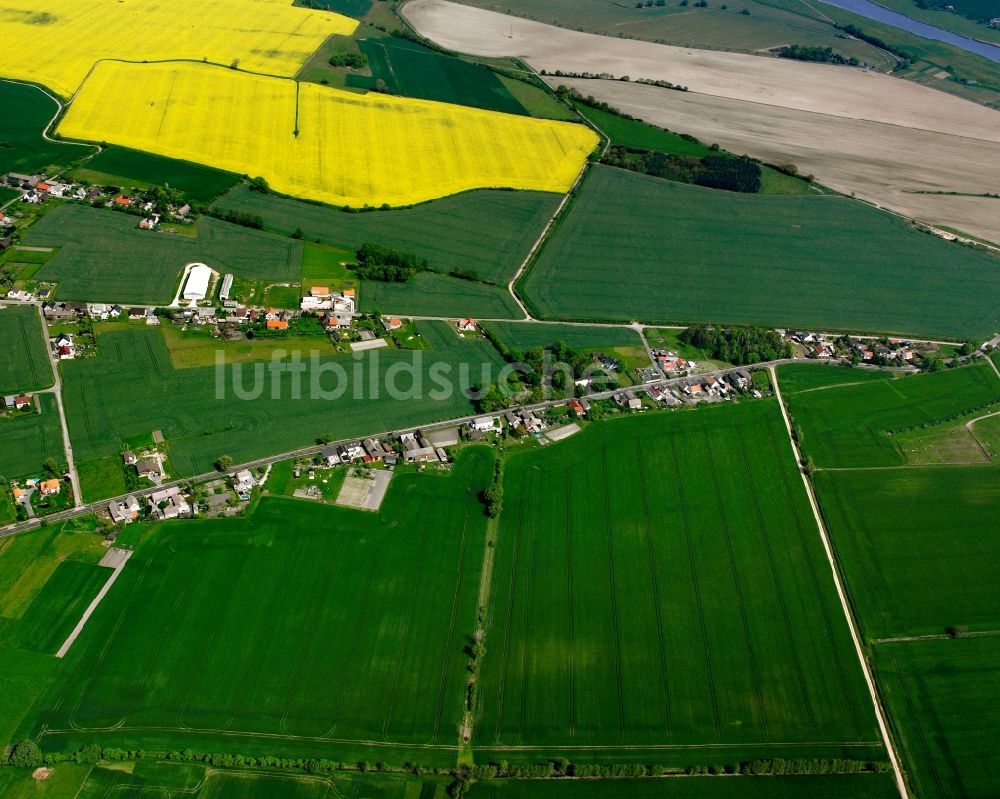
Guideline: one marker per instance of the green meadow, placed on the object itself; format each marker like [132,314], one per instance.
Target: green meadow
[27,440]
[26,113]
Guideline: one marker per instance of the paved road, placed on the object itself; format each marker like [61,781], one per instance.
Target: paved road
[316,448]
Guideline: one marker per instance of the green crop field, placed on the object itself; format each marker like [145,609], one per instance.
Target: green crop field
[855,425]
[940,696]
[58,607]
[488,233]
[26,112]
[28,439]
[130,168]
[100,250]
[131,389]
[367,616]
[636,247]
[412,70]
[430,294]
[634,133]
[24,358]
[659,582]
[819,374]
[858,786]
[918,546]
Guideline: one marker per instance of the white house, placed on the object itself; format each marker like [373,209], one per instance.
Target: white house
[243,481]
[467,325]
[124,511]
[483,423]
[168,503]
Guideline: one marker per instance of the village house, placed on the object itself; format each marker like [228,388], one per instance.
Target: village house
[124,511]
[149,467]
[391,324]
[22,401]
[49,487]
[5,221]
[243,481]
[168,503]
[129,458]
[467,325]
[483,424]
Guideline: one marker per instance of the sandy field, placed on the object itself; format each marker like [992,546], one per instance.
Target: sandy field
[881,163]
[821,88]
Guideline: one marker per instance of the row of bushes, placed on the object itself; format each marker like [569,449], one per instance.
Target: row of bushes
[242,218]
[729,173]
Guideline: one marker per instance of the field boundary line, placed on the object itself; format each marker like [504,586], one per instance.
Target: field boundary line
[614,594]
[61,653]
[842,595]
[654,579]
[779,590]
[696,586]
[727,533]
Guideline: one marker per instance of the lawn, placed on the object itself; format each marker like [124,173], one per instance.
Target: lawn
[101,478]
[940,696]
[488,233]
[443,338]
[132,389]
[28,439]
[636,247]
[430,294]
[100,250]
[368,646]
[858,424]
[195,347]
[27,111]
[660,582]
[58,607]
[24,358]
[283,297]
[324,265]
[412,70]
[130,168]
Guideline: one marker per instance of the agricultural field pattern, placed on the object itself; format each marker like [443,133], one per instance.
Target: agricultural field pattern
[428,399]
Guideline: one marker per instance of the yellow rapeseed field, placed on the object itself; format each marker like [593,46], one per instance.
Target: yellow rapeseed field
[351,149]
[56,42]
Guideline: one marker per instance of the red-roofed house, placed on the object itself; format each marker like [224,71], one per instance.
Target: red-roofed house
[122,201]
[277,324]
[42,186]
[467,325]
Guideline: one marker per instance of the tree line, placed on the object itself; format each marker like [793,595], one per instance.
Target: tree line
[726,172]
[823,55]
[376,262]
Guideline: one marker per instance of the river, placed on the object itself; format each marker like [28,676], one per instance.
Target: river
[866,8]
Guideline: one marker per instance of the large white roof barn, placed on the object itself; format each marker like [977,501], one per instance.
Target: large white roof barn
[198,279]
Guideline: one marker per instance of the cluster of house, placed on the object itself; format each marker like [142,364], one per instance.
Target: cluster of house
[896,350]
[525,422]
[17,402]
[697,389]
[36,188]
[47,488]
[672,363]
[336,309]
[164,504]
[413,447]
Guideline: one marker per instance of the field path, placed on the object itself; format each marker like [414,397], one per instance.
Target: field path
[120,558]
[842,595]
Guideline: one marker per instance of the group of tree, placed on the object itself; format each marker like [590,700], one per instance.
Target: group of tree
[351,60]
[823,55]
[242,218]
[726,172]
[492,498]
[376,262]
[875,41]
[736,344]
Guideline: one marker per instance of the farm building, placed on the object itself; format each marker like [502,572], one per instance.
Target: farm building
[227,286]
[198,279]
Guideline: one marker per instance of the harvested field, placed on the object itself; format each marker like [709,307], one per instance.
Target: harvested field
[637,247]
[659,581]
[322,143]
[884,163]
[822,88]
[487,233]
[58,41]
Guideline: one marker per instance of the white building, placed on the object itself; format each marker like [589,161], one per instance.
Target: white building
[483,423]
[196,288]
[227,287]
[243,481]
